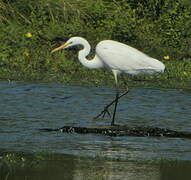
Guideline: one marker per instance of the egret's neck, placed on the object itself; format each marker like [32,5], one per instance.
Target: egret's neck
[85,51]
[94,63]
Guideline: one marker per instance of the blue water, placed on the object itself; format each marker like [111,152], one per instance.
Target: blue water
[26,107]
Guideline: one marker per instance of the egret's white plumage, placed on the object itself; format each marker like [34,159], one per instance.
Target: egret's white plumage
[124,58]
[115,56]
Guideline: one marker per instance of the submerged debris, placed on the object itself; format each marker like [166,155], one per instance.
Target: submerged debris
[123,131]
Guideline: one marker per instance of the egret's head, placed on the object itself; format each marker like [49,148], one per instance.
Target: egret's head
[74,41]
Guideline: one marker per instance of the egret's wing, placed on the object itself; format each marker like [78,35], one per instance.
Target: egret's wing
[127,59]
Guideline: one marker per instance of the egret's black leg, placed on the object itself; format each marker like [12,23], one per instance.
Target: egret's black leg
[105,110]
[116,102]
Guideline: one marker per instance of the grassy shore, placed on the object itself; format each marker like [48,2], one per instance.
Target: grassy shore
[37,165]
[175,76]
[30,30]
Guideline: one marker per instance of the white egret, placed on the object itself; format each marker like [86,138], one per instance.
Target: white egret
[117,57]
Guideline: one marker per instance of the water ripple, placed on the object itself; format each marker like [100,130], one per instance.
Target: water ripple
[25,107]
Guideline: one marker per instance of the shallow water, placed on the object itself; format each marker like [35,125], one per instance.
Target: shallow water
[26,107]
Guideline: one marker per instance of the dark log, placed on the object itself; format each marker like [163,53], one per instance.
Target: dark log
[123,131]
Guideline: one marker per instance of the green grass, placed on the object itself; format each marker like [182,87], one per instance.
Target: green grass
[158,28]
[38,165]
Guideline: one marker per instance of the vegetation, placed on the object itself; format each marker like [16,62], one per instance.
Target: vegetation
[31,29]
[43,165]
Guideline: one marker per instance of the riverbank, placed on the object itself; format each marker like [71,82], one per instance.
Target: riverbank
[30,30]
[36,165]
[177,75]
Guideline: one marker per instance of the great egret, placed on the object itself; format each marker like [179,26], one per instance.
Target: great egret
[117,57]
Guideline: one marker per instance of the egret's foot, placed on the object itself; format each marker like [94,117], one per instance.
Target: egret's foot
[103,113]
[105,110]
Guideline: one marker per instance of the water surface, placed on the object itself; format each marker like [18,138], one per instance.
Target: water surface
[26,107]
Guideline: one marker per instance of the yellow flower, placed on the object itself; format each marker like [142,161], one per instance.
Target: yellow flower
[166,57]
[26,53]
[28,35]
